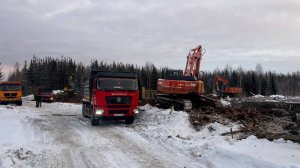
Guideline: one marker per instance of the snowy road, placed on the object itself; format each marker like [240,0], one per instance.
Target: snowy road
[56,135]
[62,138]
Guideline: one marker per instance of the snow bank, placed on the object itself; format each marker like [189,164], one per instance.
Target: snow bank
[277,96]
[253,152]
[14,129]
[258,96]
[28,98]
[172,123]
[272,98]
[15,133]
[173,130]
[57,91]
[225,103]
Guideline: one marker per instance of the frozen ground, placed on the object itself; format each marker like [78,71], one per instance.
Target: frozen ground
[57,136]
[273,98]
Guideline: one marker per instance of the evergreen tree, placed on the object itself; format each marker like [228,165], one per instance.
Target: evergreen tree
[154,77]
[16,74]
[1,73]
[273,86]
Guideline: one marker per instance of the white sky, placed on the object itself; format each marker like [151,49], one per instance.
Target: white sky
[133,31]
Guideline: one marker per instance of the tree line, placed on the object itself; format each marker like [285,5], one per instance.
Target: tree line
[64,72]
[256,81]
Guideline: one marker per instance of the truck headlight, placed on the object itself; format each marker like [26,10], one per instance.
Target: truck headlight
[51,98]
[99,111]
[136,111]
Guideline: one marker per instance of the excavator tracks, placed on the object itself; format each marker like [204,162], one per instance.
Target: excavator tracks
[185,103]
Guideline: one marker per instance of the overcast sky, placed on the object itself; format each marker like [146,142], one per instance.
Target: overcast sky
[233,32]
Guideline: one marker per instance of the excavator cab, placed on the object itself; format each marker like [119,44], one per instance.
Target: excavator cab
[178,75]
[170,73]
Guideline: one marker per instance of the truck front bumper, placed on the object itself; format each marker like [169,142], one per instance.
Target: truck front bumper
[10,100]
[116,114]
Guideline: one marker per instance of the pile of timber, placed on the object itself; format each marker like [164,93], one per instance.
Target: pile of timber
[67,97]
[270,120]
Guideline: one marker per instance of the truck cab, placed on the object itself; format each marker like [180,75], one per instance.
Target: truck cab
[11,92]
[112,96]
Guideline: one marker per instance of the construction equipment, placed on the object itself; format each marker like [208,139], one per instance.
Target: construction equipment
[221,86]
[184,90]
[11,92]
[111,96]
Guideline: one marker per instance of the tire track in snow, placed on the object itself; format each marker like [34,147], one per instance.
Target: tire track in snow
[118,148]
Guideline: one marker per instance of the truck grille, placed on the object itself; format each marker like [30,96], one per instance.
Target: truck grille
[119,106]
[10,95]
[118,111]
[118,99]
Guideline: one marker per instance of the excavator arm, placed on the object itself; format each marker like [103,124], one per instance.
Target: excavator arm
[193,61]
[222,80]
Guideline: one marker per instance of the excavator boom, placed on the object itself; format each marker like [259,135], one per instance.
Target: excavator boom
[193,61]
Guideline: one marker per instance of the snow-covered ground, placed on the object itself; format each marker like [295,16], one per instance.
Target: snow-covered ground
[57,136]
[273,98]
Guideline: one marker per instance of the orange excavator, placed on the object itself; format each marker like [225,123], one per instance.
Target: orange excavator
[184,90]
[221,86]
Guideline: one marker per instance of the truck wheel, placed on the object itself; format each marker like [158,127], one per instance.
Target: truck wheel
[94,121]
[19,103]
[129,120]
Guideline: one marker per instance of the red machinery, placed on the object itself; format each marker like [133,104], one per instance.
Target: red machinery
[185,90]
[189,82]
[192,67]
[111,96]
[221,85]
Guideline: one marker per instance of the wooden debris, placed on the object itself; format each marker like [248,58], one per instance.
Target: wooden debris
[269,120]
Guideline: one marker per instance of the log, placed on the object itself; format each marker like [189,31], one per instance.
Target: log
[233,132]
[272,136]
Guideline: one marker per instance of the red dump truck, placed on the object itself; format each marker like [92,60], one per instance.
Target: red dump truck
[111,96]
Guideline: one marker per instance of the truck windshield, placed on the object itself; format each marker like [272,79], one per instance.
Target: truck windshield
[10,87]
[117,84]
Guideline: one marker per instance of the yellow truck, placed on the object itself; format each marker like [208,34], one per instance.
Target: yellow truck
[11,92]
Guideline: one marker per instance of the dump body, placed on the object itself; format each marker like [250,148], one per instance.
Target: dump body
[112,95]
[11,92]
